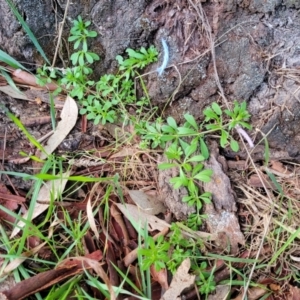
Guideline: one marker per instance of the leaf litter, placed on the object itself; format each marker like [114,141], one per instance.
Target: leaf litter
[116,231]
[239,212]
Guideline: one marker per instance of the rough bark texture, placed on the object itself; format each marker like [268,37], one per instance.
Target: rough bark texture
[257,51]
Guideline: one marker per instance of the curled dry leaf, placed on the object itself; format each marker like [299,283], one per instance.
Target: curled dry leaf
[68,116]
[160,276]
[148,204]
[182,280]
[134,214]
[89,211]
[254,293]
[221,293]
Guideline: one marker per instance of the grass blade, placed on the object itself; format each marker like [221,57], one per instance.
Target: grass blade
[10,61]
[9,81]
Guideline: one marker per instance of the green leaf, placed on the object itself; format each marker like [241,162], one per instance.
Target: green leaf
[196,158]
[10,61]
[186,131]
[204,175]
[94,55]
[191,120]
[92,34]
[204,149]
[165,166]
[192,187]
[234,145]
[183,144]
[81,59]
[190,149]
[89,58]
[267,151]
[245,125]
[167,129]
[275,182]
[187,167]
[24,130]
[83,111]
[197,169]
[119,59]
[229,113]
[133,53]
[73,38]
[74,58]
[166,138]
[151,128]
[224,138]
[10,81]
[171,121]
[84,45]
[213,127]
[217,109]
[210,114]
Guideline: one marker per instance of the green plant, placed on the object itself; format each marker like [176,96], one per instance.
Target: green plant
[155,253]
[105,100]
[180,248]
[238,117]
[205,280]
[186,149]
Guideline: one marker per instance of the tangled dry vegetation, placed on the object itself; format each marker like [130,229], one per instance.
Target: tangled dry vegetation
[102,222]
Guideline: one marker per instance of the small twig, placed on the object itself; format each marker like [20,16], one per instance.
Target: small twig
[60,30]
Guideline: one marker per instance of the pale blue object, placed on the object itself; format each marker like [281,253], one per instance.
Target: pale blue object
[161,69]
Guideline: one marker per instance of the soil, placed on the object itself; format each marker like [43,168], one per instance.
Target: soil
[256,52]
[256,56]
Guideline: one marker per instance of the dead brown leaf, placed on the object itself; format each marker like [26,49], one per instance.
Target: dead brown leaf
[221,293]
[294,293]
[148,204]
[132,212]
[161,277]
[252,293]
[9,201]
[34,284]
[68,116]
[181,281]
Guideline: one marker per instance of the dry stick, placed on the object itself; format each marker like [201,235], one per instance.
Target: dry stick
[132,256]
[60,30]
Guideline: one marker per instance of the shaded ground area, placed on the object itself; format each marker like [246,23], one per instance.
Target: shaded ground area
[218,52]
